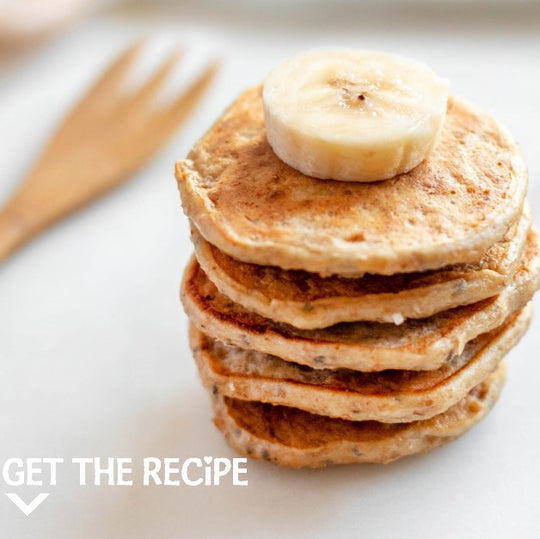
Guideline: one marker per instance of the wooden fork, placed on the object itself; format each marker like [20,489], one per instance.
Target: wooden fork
[106,137]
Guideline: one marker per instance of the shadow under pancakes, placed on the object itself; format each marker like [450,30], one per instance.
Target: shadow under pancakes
[182,428]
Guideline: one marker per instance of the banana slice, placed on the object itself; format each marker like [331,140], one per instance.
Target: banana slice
[353,115]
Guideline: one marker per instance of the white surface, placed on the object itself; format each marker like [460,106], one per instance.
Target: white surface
[93,349]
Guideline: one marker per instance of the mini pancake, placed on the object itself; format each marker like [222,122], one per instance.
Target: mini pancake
[309,301]
[389,396]
[292,437]
[365,346]
[450,209]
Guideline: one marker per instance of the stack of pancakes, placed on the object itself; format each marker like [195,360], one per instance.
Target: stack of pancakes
[337,322]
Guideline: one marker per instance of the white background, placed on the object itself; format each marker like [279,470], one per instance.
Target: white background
[93,348]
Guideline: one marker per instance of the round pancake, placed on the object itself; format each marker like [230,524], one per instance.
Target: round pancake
[295,438]
[365,346]
[389,396]
[450,209]
[309,301]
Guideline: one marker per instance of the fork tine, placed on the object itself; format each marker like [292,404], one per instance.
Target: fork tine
[116,72]
[164,123]
[152,86]
[183,105]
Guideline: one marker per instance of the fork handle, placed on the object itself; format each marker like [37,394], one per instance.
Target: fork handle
[14,231]
[41,200]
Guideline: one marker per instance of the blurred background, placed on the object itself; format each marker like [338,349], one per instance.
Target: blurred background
[93,341]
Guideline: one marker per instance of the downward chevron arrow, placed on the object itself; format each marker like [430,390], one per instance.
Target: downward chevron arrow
[27,508]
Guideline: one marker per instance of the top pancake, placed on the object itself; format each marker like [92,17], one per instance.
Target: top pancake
[448,210]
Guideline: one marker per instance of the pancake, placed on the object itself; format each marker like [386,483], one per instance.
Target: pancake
[391,396]
[365,346]
[308,301]
[295,438]
[450,209]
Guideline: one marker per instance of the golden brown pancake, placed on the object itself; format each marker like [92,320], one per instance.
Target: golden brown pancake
[366,346]
[391,396]
[295,438]
[309,301]
[450,209]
